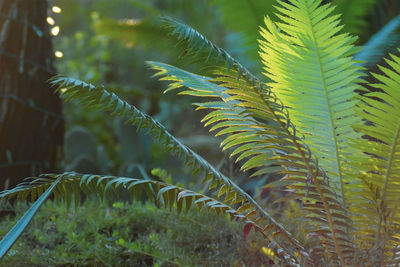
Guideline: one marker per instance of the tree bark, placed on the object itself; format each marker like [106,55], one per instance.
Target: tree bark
[31,122]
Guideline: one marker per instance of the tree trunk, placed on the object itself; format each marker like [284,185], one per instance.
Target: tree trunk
[31,122]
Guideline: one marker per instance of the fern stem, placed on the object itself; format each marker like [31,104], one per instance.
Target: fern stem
[325,87]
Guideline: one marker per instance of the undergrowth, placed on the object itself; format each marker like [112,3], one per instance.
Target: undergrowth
[121,234]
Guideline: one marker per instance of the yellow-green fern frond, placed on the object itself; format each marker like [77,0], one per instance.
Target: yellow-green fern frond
[377,205]
[258,127]
[314,75]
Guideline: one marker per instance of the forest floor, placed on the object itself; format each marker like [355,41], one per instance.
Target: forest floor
[122,234]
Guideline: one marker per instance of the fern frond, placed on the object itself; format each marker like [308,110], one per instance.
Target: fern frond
[259,128]
[314,75]
[65,187]
[91,95]
[377,206]
[198,46]
[384,41]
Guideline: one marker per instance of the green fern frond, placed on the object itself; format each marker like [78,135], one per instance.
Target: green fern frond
[198,46]
[91,95]
[384,41]
[66,188]
[354,14]
[377,207]
[259,128]
[315,77]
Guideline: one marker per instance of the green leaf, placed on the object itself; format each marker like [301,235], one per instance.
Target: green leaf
[9,239]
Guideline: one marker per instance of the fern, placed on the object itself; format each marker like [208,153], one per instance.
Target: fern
[338,76]
[199,47]
[376,206]
[92,96]
[338,152]
[325,78]
[242,114]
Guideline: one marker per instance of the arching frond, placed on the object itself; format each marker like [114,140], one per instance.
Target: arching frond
[314,75]
[377,204]
[199,46]
[384,41]
[65,187]
[260,130]
[91,95]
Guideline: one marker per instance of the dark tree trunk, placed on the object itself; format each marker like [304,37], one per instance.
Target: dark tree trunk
[31,123]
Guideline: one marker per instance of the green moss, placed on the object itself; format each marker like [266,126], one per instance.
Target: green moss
[124,235]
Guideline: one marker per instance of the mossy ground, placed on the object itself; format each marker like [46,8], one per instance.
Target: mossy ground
[122,234]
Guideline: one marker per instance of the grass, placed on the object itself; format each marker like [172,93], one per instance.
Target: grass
[122,234]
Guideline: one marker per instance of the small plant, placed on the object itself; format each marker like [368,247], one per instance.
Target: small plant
[338,151]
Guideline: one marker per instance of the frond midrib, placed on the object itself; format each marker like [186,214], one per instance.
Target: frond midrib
[329,216]
[329,107]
